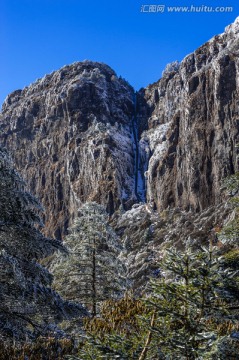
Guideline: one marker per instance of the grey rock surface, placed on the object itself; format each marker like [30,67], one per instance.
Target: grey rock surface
[70,135]
[193,121]
[80,134]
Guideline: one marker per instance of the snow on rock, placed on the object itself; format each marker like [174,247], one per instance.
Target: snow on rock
[73,132]
[153,146]
[234,27]
[198,105]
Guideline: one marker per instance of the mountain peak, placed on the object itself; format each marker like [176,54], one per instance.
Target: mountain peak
[234,27]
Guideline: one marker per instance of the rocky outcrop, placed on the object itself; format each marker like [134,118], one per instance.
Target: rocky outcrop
[80,134]
[71,136]
[193,123]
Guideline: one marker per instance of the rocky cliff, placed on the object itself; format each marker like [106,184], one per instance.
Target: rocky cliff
[81,134]
[193,122]
[71,136]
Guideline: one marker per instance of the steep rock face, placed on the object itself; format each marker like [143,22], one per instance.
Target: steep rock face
[193,123]
[79,134]
[71,137]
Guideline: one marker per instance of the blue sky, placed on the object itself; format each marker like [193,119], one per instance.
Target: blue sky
[39,36]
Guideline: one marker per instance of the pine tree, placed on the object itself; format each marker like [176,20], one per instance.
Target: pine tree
[228,346]
[92,272]
[118,332]
[28,305]
[186,302]
[191,311]
[138,253]
[188,314]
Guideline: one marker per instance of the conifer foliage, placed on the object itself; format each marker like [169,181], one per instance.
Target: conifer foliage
[92,271]
[188,314]
[28,306]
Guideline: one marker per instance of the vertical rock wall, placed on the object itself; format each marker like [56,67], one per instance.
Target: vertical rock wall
[193,122]
[70,135]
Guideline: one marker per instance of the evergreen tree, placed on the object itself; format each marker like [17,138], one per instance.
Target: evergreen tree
[191,310]
[118,332]
[28,306]
[92,272]
[137,251]
[187,315]
[188,303]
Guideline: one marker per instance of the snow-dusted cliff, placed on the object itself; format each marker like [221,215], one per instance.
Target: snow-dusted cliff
[193,121]
[81,134]
[71,136]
